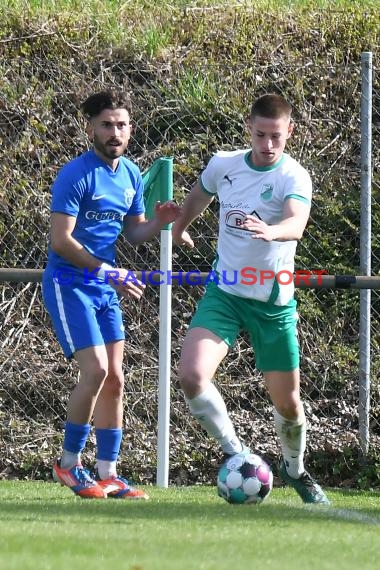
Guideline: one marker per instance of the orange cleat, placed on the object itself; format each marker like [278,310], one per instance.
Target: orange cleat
[119,488]
[79,481]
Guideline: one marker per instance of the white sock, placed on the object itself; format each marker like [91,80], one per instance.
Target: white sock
[69,459]
[292,434]
[106,469]
[211,412]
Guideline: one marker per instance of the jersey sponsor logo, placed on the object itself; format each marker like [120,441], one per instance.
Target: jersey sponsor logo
[100,216]
[235,205]
[266,192]
[234,220]
[98,197]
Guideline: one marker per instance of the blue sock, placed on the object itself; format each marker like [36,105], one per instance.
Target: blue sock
[74,442]
[108,443]
[75,437]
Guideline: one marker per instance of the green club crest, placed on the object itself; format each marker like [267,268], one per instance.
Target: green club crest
[266,192]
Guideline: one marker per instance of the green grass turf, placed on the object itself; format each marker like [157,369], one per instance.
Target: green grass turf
[44,526]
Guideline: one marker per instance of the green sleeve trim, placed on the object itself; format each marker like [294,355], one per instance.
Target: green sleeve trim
[204,189]
[298,197]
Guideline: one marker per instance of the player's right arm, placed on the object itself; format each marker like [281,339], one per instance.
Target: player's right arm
[68,192]
[195,203]
[65,245]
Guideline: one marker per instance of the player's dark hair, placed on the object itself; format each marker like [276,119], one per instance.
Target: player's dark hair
[271,106]
[109,99]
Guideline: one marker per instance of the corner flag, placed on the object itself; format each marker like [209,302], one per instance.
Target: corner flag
[158,186]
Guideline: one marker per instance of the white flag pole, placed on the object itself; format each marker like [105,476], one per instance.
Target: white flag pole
[165,340]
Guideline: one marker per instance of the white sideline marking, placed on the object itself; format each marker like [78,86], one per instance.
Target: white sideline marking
[345,514]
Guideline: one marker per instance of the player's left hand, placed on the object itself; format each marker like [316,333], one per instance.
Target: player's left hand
[166,212]
[131,290]
[259,229]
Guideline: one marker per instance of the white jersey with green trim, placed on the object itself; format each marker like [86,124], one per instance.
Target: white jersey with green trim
[247,267]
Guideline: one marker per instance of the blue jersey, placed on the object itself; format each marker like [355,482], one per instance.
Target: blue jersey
[99,198]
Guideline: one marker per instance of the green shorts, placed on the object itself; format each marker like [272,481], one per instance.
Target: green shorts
[272,329]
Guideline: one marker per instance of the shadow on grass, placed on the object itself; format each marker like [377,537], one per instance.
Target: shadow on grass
[169,508]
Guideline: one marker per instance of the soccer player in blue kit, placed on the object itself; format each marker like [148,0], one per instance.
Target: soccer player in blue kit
[95,197]
[264,198]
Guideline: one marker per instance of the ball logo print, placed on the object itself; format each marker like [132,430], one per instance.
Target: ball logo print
[244,478]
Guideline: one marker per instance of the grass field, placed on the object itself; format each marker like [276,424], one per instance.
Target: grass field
[43,526]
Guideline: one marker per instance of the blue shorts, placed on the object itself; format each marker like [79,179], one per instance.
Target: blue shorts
[83,314]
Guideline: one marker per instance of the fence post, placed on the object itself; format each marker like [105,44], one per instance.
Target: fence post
[365,250]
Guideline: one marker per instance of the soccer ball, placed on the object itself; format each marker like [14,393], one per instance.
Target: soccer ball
[244,478]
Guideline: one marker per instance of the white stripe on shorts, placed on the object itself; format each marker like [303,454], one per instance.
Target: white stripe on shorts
[62,316]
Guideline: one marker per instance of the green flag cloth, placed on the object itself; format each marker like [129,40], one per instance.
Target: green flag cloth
[158,185]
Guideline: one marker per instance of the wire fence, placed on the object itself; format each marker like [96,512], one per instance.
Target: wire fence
[189,115]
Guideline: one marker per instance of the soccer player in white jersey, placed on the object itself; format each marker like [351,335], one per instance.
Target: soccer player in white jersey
[264,197]
[94,198]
